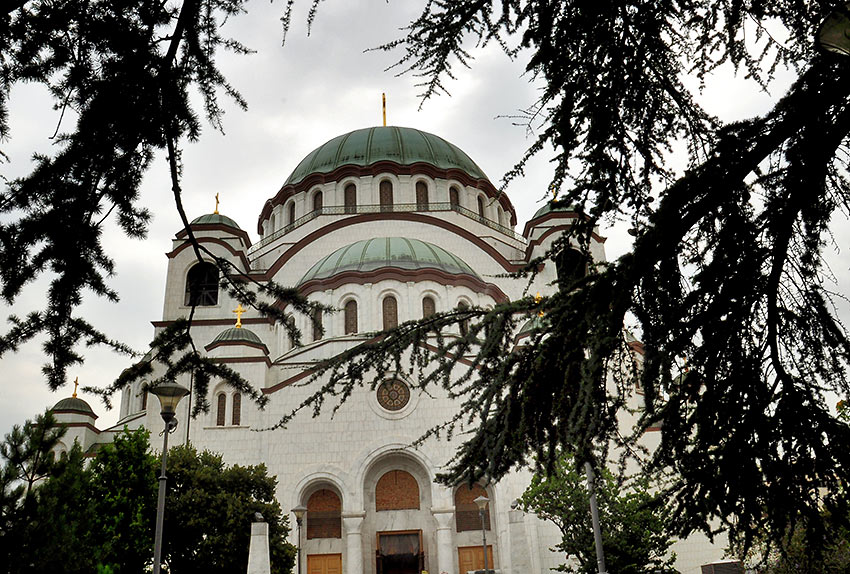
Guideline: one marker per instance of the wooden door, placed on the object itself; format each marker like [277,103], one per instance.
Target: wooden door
[472,558]
[324,564]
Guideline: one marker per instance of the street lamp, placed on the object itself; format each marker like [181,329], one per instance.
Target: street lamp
[482,501]
[299,514]
[169,394]
[833,34]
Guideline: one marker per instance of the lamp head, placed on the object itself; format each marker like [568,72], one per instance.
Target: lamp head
[169,395]
[299,512]
[481,502]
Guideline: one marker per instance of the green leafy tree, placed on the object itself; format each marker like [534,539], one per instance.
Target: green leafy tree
[726,269]
[124,491]
[634,521]
[209,510]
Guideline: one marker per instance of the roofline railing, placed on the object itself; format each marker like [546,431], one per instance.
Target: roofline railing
[394,208]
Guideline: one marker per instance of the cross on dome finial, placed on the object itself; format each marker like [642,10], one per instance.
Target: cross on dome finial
[384,106]
[239,310]
[216,204]
[76,383]
[537,299]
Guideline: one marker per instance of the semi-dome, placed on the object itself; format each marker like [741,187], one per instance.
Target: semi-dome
[73,404]
[404,146]
[377,253]
[237,335]
[214,219]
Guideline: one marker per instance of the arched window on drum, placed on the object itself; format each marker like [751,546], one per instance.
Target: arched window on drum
[350,199]
[350,317]
[390,312]
[421,196]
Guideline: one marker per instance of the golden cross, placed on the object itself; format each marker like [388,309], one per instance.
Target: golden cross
[239,310]
[554,191]
[76,382]
[384,106]
[216,204]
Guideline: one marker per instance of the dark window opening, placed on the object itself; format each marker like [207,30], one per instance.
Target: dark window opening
[316,317]
[390,312]
[386,195]
[480,207]
[454,197]
[421,196]
[202,285]
[219,412]
[464,325]
[570,265]
[351,317]
[236,416]
[317,201]
[350,198]
[428,307]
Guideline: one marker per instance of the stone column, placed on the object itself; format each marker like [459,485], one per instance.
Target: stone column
[445,547]
[352,523]
[258,549]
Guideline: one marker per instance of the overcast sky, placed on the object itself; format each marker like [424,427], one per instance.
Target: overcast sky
[299,96]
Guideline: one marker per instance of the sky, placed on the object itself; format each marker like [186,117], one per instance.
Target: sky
[299,96]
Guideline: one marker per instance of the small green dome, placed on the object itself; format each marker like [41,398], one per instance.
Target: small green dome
[404,146]
[237,335]
[399,252]
[548,208]
[73,404]
[215,219]
[534,324]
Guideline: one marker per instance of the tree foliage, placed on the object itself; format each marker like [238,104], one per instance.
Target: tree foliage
[210,506]
[100,517]
[633,519]
[726,271]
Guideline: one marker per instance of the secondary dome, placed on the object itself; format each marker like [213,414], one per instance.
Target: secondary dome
[73,404]
[214,219]
[237,335]
[404,146]
[399,252]
[548,209]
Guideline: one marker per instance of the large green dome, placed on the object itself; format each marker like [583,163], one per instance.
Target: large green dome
[380,252]
[404,146]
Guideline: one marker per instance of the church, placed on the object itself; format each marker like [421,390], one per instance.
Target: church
[385,224]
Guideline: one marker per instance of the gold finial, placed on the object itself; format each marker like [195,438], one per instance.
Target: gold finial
[537,299]
[216,204]
[384,106]
[239,310]
[554,189]
[76,383]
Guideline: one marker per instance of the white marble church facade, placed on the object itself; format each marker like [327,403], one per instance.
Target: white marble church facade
[385,224]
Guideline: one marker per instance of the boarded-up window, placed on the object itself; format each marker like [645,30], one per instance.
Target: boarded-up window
[351,317]
[466,511]
[291,214]
[480,206]
[421,196]
[454,196]
[390,312]
[464,325]
[236,416]
[324,515]
[317,201]
[219,411]
[350,198]
[317,324]
[428,307]
[202,285]
[386,195]
[396,490]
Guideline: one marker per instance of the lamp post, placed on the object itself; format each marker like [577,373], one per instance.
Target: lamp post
[299,515]
[833,34]
[169,394]
[482,501]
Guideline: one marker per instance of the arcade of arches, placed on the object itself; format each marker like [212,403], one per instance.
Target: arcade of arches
[400,530]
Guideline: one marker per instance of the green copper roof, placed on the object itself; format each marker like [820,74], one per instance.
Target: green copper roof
[73,404]
[238,335]
[534,324]
[404,146]
[399,252]
[548,207]
[213,219]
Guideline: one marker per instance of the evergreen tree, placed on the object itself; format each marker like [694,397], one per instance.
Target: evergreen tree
[726,269]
